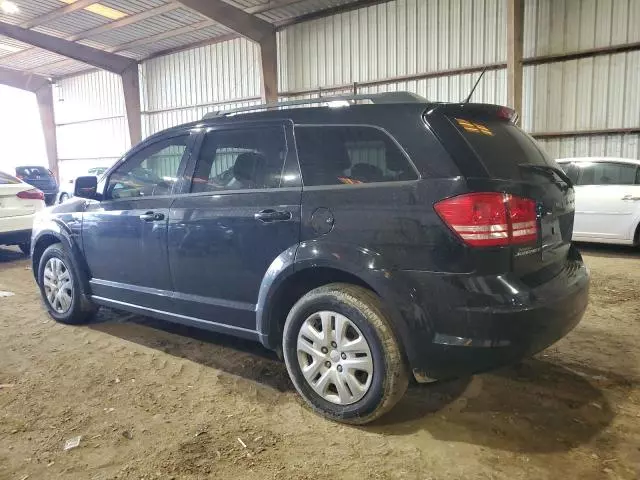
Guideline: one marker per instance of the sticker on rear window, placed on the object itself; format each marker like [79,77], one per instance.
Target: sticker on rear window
[474,127]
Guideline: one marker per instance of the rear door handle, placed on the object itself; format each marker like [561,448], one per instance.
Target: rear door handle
[631,197]
[270,215]
[152,217]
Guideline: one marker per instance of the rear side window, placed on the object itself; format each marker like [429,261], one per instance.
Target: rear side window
[501,146]
[6,179]
[33,172]
[607,173]
[242,159]
[348,155]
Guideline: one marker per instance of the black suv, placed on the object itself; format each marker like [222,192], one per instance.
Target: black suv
[367,242]
[41,178]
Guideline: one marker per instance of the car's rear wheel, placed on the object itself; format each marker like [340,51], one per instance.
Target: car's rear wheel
[60,287]
[342,354]
[64,197]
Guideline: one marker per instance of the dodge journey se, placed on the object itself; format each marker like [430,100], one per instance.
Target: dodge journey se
[369,241]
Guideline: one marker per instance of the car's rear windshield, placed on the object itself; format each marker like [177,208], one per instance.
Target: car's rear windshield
[501,146]
[31,172]
[6,179]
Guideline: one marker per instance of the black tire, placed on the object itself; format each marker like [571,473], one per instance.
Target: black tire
[25,247]
[63,198]
[81,310]
[363,308]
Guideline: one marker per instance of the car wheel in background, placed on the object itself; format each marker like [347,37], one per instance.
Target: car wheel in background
[64,197]
[342,354]
[60,287]
[26,248]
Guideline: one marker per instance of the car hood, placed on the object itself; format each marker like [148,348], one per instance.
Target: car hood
[74,205]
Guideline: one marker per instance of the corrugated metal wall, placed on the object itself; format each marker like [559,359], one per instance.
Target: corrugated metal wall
[90,119]
[394,39]
[182,87]
[601,92]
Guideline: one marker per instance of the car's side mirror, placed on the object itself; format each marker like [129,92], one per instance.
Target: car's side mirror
[86,187]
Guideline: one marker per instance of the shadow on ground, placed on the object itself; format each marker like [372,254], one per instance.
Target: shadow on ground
[10,254]
[537,406]
[230,354]
[608,251]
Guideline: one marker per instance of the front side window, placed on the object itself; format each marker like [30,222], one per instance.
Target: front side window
[349,155]
[240,159]
[150,172]
[607,173]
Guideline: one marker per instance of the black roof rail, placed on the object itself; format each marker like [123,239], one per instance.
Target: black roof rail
[387,97]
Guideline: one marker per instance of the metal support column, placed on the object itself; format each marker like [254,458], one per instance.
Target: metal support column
[131,89]
[515,26]
[269,62]
[44,95]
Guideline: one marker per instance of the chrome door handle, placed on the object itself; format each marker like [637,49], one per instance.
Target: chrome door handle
[269,215]
[631,197]
[152,217]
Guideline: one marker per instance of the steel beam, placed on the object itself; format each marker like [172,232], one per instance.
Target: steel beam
[57,13]
[131,89]
[82,53]
[269,64]
[232,17]
[515,26]
[44,95]
[22,80]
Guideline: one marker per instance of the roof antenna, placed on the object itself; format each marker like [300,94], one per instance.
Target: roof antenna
[475,85]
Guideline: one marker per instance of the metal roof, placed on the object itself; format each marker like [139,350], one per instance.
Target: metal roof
[133,28]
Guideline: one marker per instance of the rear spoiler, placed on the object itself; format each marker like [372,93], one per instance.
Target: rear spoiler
[474,110]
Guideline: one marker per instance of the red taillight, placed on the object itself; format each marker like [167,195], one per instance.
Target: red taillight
[33,194]
[490,219]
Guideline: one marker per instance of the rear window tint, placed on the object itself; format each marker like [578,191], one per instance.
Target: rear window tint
[349,155]
[501,146]
[30,172]
[6,179]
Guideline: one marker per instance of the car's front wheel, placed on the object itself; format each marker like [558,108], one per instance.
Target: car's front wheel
[60,287]
[63,197]
[342,354]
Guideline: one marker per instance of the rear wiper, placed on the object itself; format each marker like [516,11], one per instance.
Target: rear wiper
[550,172]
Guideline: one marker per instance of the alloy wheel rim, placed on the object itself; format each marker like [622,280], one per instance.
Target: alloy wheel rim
[334,357]
[58,287]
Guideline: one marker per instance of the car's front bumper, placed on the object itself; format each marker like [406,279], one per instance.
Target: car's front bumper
[479,323]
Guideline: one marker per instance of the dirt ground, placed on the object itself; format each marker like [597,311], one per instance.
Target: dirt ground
[149,401]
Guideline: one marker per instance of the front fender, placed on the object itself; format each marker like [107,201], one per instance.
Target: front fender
[400,298]
[48,230]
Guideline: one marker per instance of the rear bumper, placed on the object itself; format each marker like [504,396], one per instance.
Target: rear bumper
[487,322]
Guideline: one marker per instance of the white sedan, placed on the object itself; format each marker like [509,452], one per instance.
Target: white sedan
[607,199]
[19,203]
